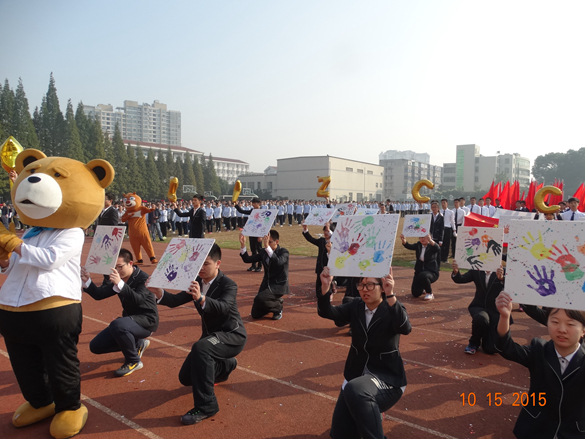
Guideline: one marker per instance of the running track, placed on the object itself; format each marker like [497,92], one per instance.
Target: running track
[290,371]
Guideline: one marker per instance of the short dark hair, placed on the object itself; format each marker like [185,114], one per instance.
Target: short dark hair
[126,255]
[199,197]
[110,196]
[473,198]
[481,199]
[461,198]
[274,235]
[571,313]
[215,253]
[434,202]
[444,199]
[573,199]
[256,200]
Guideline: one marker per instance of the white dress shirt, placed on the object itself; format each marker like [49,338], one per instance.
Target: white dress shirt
[569,214]
[449,218]
[564,361]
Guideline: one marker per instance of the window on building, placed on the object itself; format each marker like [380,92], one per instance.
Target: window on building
[269,185]
[476,179]
[351,196]
[349,170]
[370,172]
[477,169]
[258,186]
[376,184]
[360,171]
[507,161]
[507,170]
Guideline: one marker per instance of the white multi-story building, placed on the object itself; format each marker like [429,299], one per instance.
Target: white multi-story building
[143,123]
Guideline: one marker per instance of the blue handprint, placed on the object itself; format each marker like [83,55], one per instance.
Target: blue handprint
[171,273]
[544,285]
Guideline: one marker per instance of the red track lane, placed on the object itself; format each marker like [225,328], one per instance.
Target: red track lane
[290,372]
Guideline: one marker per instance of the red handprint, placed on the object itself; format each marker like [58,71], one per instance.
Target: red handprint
[95,260]
[569,265]
[473,232]
[117,233]
[174,248]
[196,253]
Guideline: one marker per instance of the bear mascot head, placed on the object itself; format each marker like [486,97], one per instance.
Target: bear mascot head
[40,300]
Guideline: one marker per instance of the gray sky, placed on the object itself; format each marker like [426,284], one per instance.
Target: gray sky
[261,80]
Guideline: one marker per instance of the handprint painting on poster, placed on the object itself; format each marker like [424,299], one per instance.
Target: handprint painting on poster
[546,263]
[259,222]
[416,225]
[363,245]
[180,264]
[479,248]
[105,248]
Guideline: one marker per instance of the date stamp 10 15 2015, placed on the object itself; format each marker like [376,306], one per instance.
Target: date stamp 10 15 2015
[521,399]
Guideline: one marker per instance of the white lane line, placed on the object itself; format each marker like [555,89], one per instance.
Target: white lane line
[113,414]
[304,389]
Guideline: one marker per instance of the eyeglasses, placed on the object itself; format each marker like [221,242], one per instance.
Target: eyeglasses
[119,267]
[368,287]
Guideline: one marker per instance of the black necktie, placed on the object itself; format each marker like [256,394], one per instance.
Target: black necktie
[456,212]
[573,217]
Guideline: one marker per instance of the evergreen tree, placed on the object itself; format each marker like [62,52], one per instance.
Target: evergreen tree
[198,171]
[152,180]
[211,179]
[37,122]
[7,99]
[108,147]
[96,147]
[188,174]
[51,123]
[135,178]
[23,123]
[72,144]
[141,163]
[163,174]
[225,186]
[178,172]
[84,127]
[120,162]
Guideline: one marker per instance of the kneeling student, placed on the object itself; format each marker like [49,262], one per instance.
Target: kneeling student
[139,317]
[212,357]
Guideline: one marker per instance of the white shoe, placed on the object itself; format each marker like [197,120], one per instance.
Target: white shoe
[429,296]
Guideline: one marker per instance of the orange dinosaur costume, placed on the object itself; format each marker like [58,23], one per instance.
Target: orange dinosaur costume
[137,228]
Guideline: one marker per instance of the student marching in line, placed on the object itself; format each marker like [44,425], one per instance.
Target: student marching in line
[557,374]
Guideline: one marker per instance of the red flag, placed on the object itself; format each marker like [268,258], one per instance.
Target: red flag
[498,191]
[490,193]
[556,199]
[505,196]
[515,194]
[580,194]
[530,195]
[523,196]
[473,219]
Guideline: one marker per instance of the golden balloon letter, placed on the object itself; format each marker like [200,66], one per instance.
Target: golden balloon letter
[416,190]
[541,195]
[325,183]
[237,190]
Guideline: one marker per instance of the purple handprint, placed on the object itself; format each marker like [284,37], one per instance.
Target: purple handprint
[473,242]
[171,273]
[106,242]
[187,267]
[544,285]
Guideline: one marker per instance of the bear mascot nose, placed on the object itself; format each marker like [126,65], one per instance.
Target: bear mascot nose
[34,179]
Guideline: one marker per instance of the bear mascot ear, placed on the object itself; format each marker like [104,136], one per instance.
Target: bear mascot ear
[26,157]
[103,171]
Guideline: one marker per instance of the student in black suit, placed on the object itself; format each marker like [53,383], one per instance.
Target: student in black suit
[197,217]
[374,371]
[557,373]
[109,216]
[255,245]
[323,255]
[139,317]
[212,357]
[484,314]
[437,228]
[426,269]
[275,282]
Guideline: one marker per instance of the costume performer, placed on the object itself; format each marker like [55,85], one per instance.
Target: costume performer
[137,228]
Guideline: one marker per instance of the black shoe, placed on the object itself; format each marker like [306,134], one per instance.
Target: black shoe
[349,332]
[232,363]
[194,416]
[258,270]
[128,368]
[277,315]
[142,345]
[251,269]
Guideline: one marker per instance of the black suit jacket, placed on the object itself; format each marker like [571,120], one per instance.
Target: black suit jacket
[431,260]
[109,217]
[196,221]
[565,406]
[437,227]
[322,256]
[220,315]
[275,269]
[137,301]
[374,346]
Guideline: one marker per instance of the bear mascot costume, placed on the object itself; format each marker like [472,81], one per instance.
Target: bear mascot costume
[137,228]
[40,301]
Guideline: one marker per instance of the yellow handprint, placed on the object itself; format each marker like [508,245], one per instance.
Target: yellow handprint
[538,249]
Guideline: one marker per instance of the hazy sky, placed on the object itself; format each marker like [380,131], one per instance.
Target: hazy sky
[261,80]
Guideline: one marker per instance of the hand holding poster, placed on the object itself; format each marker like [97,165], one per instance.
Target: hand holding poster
[343,210]
[104,250]
[180,264]
[363,245]
[479,248]
[319,217]
[259,222]
[416,225]
[546,263]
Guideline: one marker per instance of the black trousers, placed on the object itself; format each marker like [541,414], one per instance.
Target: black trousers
[280,219]
[121,336]
[209,225]
[217,224]
[483,331]
[43,352]
[453,243]
[206,361]
[226,222]
[163,229]
[447,236]
[299,218]
[290,218]
[240,222]
[255,247]
[266,302]
[234,222]
[179,225]
[358,410]
[422,282]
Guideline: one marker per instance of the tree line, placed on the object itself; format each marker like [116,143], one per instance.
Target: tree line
[567,166]
[80,137]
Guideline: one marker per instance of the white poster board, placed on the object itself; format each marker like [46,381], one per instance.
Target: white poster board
[319,216]
[342,210]
[416,225]
[506,216]
[479,248]
[259,222]
[546,263]
[361,211]
[180,263]
[104,250]
[363,245]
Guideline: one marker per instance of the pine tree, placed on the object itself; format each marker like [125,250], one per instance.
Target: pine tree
[108,148]
[153,185]
[141,164]
[96,146]
[37,122]
[120,162]
[211,179]
[7,99]
[135,178]
[198,171]
[163,174]
[84,127]
[23,123]
[51,123]
[72,144]
[178,172]
[188,174]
